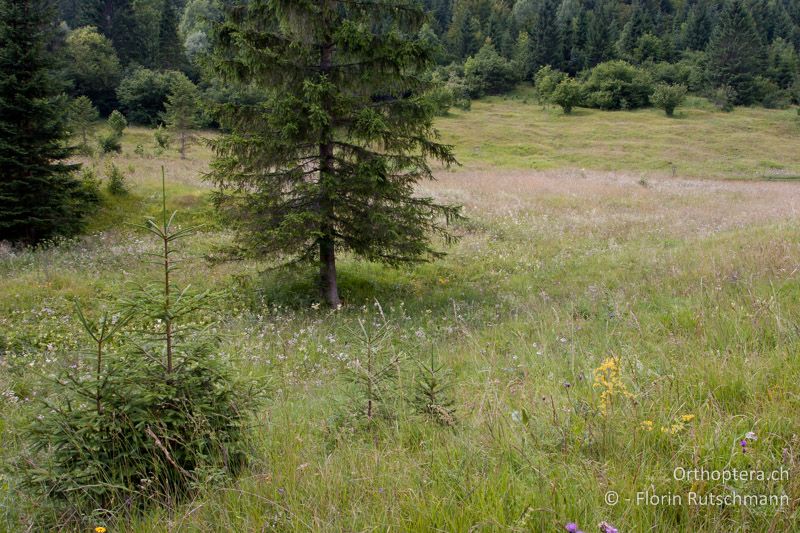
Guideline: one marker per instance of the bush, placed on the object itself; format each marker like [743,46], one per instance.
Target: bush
[724,98]
[487,72]
[117,123]
[446,94]
[87,198]
[161,137]
[109,142]
[150,415]
[668,97]
[649,48]
[546,80]
[116,180]
[618,85]
[142,94]
[770,95]
[689,71]
[567,94]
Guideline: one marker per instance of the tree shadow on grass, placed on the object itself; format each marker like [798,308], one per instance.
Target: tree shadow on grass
[426,286]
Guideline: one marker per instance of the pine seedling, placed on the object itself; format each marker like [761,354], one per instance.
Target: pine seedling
[101,333]
[375,371]
[163,302]
[432,392]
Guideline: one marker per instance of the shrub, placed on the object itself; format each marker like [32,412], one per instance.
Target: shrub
[446,94]
[567,94]
[689,71]
[432,388]
[82,116]
[546,80]
[109,142]
[87,197]
[618,85]
[648,48]
[117,123]
[374,372]
[116,180]
[770,95]
[668,97]
[161,137]
[724,98]
[487,72]
[142,94]
[152,413]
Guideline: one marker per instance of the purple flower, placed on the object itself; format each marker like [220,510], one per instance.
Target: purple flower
[605,527]
[571,527]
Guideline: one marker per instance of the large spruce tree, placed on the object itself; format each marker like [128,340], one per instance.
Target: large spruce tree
[38,196]
[330,159]
[736,53]
[547,36]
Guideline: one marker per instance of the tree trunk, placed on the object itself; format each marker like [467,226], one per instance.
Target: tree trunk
[327,272]
[327,253]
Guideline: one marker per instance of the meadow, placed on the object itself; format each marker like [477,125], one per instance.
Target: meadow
[623,302]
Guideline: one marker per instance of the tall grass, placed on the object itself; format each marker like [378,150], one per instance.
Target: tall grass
[689,287]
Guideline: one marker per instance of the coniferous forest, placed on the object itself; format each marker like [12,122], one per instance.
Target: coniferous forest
[399,265]
[125,54]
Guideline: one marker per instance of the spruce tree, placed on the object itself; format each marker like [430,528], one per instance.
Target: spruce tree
[330,160]
[736,54]
[699,25]
[640,23]
[39,198]
[182,107]
[82,116]
[601,33]
[547,36]
[170,47]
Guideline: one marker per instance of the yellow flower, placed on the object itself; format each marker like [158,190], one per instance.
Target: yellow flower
[99,529]
[647,425]
[607,377]
[687,418]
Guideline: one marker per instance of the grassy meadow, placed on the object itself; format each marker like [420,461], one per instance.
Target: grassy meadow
[602,321]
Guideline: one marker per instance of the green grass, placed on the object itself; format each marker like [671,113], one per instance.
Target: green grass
[516,132]
[690,284]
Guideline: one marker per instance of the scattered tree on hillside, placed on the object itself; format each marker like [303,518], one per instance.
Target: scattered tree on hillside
[82,115]
[567,94]
[117,123]
[329,162]
[668,97]
[182,114]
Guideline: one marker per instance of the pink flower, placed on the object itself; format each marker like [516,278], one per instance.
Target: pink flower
[605,527]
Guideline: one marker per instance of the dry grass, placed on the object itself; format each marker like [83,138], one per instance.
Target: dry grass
[585,199]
